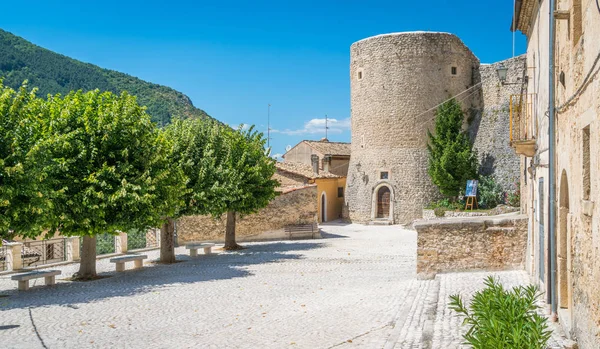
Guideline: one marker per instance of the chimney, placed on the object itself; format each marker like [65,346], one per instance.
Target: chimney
[314,160]
[326,163]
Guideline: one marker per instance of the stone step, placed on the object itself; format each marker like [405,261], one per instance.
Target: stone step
[380,222]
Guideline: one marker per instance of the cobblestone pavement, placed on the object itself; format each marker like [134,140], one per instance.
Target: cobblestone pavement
[344,290]
[355,288]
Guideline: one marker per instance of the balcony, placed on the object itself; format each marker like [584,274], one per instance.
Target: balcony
[521,124]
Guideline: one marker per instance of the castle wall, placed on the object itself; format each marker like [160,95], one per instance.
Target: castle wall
[489,123]
[395,78]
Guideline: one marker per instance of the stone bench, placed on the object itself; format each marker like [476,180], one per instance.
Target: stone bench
[138,261]
[194,246]
[301,230]
[24,278]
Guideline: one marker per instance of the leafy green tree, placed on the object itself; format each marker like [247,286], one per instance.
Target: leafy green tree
[23,198]
[452,160]
[107,165]
[197,146]
[243,176]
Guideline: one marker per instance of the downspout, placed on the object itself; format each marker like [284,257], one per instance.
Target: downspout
[551,166]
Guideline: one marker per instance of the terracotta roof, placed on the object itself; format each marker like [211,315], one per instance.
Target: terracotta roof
[523,17]
[330,148]
[291,189]
[303,170]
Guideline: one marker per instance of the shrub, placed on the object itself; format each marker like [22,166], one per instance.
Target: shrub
[514,197]
[447,204]
[490,192]
[500,318]
[439,211]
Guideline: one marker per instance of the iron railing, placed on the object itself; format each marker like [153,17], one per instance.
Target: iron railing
[137,239]
[3,256]
[40,252]
[105,244]
[522,117]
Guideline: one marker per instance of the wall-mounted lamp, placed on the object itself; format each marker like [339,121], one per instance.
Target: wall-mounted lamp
[502,71]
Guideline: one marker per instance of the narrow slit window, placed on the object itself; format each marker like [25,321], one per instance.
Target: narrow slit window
[586,164]
[359,75]
[454,70]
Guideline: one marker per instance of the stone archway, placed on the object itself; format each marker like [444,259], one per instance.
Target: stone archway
[563,246]
[385,192]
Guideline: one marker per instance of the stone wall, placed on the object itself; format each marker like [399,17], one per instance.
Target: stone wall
[477,243]
[394,79]
[296,206]
[489,122]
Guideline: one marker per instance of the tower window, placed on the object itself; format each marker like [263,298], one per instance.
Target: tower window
[384,175]
[360,75]
[586,163]
[454,70]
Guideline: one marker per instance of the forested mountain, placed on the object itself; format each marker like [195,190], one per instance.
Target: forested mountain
[54,73]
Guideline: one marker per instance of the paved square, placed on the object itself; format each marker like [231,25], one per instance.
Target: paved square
[343,290]
[355,288]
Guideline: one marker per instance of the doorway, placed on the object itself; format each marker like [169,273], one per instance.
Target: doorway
[383,202]
[323,207]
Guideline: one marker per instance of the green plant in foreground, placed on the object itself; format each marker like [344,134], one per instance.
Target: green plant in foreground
[499,318]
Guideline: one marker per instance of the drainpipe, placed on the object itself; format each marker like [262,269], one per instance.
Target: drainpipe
[551,166]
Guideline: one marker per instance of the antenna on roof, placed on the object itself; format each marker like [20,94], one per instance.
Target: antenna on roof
[326,127]
[269,125]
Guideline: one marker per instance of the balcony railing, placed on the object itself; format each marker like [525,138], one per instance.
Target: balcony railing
[521,124]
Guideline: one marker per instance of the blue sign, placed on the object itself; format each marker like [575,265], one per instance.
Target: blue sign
[471,188]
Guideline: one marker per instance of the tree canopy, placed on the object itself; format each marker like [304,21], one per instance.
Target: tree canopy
[107,165]
[24,201]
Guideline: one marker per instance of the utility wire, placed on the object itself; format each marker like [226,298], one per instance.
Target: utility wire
[465,91]
[583,86]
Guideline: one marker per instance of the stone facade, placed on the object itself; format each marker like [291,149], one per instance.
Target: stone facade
[395,79]
[489,124]
[576,276]
[295,206]
[396,82]
[451,245]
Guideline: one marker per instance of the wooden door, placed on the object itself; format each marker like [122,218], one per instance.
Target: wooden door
[383,202]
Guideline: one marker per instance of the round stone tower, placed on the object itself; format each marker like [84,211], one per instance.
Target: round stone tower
[395,78]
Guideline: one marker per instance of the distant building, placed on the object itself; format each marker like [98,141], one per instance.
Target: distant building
[330,187]
[332,157]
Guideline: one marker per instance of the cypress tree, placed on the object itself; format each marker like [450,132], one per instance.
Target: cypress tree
[452,160]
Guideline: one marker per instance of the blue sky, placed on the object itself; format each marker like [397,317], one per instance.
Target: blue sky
[232,58]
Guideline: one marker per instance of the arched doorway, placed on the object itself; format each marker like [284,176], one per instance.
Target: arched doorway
[563,245]
[323,207]
[383,202]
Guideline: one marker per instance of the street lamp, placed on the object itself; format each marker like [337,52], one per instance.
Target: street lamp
[502,71]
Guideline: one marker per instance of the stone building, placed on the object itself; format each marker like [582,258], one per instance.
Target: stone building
[330,157]
[330,187]
[569,270]
[397,80]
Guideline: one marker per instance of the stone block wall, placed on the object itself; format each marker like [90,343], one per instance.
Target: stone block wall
[489,122]
[296,206]
[476,243]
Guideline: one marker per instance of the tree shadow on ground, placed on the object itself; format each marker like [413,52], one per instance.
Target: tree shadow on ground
[227,265]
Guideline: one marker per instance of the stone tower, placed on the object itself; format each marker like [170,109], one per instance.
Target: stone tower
[395,78]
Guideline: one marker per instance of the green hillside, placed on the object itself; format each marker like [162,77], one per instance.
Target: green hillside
[54,73]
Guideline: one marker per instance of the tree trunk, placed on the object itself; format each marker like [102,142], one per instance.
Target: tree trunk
[167,242]
[87,262]
[230,243]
